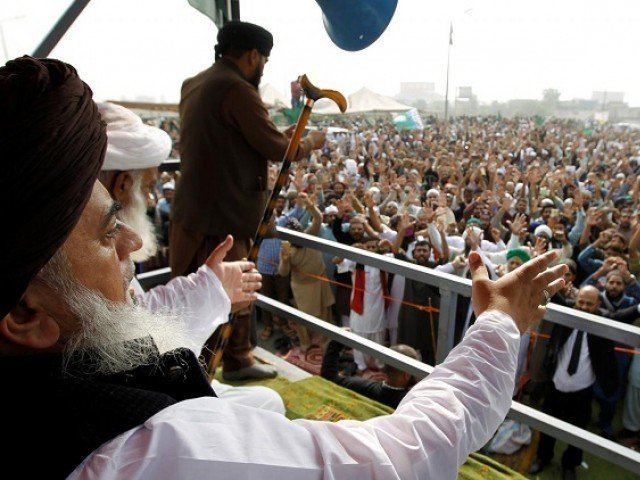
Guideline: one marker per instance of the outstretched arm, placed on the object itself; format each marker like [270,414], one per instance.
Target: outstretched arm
[444,418]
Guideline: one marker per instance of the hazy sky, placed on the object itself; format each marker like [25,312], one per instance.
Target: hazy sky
[502,48]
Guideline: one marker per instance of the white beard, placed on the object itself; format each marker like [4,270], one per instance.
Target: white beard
[135,216]
[104,341]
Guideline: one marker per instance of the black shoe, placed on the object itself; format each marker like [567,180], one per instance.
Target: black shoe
[537,466]
[255,371]
[282,345]
[607,433]
[569,474]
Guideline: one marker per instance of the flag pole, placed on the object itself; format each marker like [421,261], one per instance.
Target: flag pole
[446,94]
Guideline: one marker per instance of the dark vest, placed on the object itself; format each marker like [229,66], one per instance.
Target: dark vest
[223,183]
[52,420]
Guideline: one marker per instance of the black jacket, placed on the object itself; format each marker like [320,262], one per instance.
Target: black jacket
[601,350]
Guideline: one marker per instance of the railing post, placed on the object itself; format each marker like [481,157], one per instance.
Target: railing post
[446,323]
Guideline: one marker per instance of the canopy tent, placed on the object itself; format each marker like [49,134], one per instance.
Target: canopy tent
[362,101]
[272,97]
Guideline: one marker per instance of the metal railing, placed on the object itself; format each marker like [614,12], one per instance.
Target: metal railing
[587,441]
[450,287]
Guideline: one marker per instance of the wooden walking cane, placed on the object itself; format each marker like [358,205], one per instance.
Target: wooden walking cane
[312,94]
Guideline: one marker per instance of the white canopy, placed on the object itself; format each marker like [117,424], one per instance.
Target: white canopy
[362,101]
[272,97]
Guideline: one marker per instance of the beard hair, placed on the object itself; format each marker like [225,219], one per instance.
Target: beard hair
[423,262]
[256,77]
[135,216]
[112,337]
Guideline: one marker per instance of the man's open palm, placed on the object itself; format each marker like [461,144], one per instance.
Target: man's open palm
[519,293]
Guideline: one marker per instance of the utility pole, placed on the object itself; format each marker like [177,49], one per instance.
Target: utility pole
[446,94]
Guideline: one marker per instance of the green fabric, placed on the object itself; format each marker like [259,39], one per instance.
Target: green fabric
[315,398]
[292,114]
[216,10]
[520,253]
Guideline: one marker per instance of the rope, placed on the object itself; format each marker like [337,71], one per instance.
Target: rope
[617,349]
[424,308]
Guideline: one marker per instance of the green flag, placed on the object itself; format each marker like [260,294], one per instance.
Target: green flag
[216,10]
[409,121]
[292,114]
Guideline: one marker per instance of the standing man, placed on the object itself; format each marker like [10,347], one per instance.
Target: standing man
[575,361]
[226,140]
[416,328]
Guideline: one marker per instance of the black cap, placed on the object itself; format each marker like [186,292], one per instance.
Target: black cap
[243,36]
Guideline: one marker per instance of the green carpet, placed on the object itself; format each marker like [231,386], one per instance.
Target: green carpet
[318,399]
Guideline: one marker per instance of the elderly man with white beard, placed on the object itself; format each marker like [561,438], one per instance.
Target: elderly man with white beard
[130,169]
[91,387]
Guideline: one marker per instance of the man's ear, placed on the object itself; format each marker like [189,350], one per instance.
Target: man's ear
[122,188]
[30,327]
[254,58]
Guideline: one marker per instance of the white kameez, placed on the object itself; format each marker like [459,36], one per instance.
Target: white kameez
[444,418]
[203,303]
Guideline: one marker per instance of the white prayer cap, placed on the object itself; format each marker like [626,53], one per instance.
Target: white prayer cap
[432,192]
[392,204]
[546,202]
[542,230]
[352,166]
[168,186]
[132,145]
[331,209]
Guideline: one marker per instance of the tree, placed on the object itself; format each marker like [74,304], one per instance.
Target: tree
[550,96]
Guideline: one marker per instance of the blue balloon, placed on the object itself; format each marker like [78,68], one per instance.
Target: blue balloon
[355,24]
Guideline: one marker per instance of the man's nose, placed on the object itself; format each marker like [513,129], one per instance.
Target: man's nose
[128,241]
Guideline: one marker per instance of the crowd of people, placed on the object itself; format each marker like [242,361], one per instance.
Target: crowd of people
[509,189]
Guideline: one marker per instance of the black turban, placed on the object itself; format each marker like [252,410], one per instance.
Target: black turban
[243,36]
[52,145]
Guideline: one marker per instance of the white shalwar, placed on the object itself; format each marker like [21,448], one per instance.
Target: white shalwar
[444,418]
[201,300]
[372,323]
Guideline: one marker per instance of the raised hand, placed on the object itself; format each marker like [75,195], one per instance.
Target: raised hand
[459,262]
[239,279]
[593,217]
[285,250]
[368,200]
[473,238]
[404,223]
[429,213]
[519,293]
[496,234]
[517,224]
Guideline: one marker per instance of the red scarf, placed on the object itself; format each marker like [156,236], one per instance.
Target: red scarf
[357,303]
